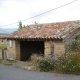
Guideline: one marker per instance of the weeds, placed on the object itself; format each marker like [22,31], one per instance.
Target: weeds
[70,64]
[45,64]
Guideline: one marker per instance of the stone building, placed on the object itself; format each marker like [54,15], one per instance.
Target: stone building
[47,39]
[3,41]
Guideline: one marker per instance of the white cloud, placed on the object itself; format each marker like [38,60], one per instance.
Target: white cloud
[13,10]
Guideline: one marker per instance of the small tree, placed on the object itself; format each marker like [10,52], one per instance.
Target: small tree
[20,25]
[36,22]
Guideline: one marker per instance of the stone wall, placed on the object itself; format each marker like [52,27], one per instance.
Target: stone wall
[14,51]
[68,40]
[47,48]
[11,51]
[3,41]
[17,50]
[58,48]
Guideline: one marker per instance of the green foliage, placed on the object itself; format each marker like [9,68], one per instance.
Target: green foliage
[20,25]
[8,62]
[45,64]
[35,22]
[77,37]
[3,46]
[75,46]
[70,63]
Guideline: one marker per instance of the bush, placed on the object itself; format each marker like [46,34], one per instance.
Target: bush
[35,57]
[77,37]
[75,46]
[45,64]
[70,64]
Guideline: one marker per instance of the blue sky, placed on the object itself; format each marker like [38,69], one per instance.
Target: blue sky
[12,11]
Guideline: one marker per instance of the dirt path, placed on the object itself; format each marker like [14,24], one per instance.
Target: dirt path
[28,65]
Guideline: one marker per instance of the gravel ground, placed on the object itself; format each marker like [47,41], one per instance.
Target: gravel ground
[12,73]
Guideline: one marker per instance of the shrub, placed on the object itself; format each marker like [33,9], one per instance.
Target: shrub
[45,64]
[77,37]
[75,46]
[35,57]
[70,64]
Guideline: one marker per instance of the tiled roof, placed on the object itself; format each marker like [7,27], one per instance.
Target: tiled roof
[58,30]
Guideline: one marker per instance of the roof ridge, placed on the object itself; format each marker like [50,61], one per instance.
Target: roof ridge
[54,22]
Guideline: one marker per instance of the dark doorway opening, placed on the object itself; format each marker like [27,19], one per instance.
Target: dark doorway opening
[31,47]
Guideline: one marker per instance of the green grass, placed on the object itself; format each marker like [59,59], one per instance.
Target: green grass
[7,62]
[3,46]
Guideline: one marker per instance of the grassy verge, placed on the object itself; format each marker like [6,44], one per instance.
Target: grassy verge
[7,62]
[3,46]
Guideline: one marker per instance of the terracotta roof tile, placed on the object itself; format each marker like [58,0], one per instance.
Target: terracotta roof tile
[49,30]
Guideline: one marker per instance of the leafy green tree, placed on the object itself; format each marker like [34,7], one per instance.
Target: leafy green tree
[20,25]
[36,22]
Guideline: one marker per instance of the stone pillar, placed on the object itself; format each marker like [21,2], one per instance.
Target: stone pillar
[59,48]
[18,50]
[47,48]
